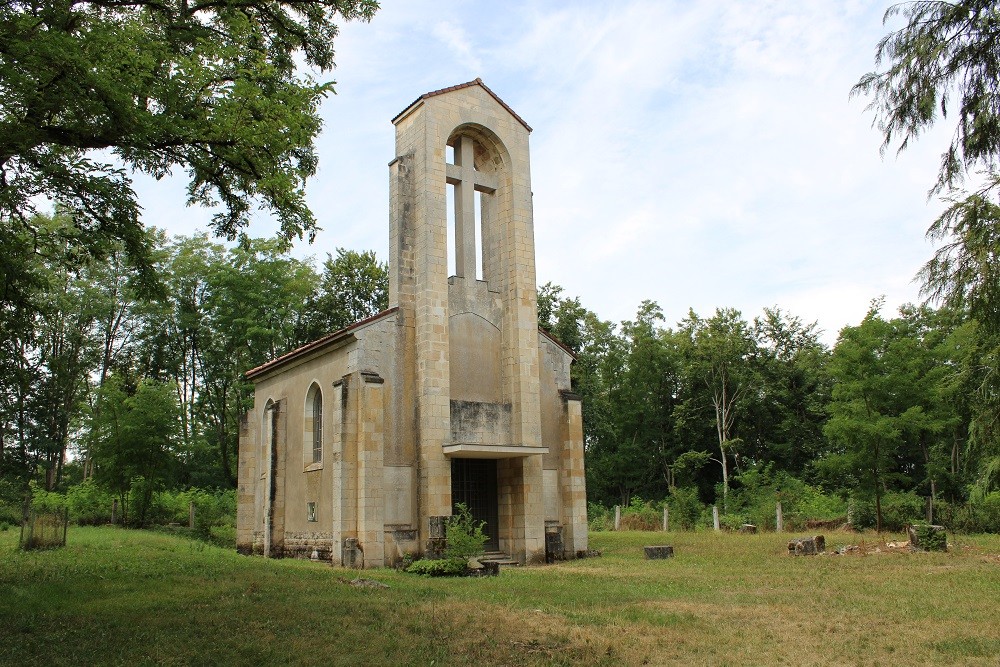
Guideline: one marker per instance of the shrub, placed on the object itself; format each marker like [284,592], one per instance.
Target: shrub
[89,503]
[465,540]
[685,508]
[440,567]
[11,513]
[978,516]
[464,535]
[732,521]
[930,539]
[48,501]
[599,517]
[641,515]
[813,504]
[223,536]
[898,511]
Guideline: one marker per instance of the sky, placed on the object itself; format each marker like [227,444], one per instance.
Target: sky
[701,154]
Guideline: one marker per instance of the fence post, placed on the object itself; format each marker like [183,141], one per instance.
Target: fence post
[191,514]
[114,511]
[779,518]
[715,516]
[666,519]
[65,525]
[618,517]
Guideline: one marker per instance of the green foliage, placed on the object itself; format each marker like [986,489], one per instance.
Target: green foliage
[981,515]
[642,515]
[685,508]
[890,405]
[195,87]
[10,513]
[898,511]
[465,540]
[929,538]
[812,503]
[943,62]
[134,437]
[354,286]
[48,501]
[760,488]
[464,535]
[600,517]
[89,503]
[440,567]
[946,49]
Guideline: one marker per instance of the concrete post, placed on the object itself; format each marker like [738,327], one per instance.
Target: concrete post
[191,515]
[779,519]
[666,519]
[715,516]
[618,517]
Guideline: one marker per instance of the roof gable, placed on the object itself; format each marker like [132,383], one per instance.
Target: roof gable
[316,345]
[468,84]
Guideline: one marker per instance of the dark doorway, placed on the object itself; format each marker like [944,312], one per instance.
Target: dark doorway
[474,483]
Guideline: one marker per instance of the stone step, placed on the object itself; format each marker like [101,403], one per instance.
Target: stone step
[497,557]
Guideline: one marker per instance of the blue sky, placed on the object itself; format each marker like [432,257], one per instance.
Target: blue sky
[700,154]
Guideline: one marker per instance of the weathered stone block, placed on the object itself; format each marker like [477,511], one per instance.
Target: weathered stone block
[435,548]
[351,555]
[658,552]
[807,546]
[748,528]
[554,549]
[437,527]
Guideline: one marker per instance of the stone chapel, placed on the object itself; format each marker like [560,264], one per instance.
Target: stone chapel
[360,443]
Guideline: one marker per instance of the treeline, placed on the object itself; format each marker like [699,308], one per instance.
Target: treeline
[136,380]
[741,413]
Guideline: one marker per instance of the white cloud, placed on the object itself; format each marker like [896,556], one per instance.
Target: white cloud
[699,154]
[457,41]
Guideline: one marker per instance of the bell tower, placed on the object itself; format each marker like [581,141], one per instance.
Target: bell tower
[472,355]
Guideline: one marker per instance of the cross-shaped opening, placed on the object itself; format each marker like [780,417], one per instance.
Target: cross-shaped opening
[465,209]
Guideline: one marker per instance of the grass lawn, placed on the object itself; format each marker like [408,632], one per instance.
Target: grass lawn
[129,597]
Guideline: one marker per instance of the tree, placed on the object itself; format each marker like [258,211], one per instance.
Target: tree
[134,438]
[786,425]
[720,376]
[946,60]
[354,286]
[945,49]
[890,410]
[94,88]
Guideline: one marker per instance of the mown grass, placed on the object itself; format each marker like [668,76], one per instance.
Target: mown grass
[128,597]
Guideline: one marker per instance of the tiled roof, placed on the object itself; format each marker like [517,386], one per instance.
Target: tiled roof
[476,82]
[315,345]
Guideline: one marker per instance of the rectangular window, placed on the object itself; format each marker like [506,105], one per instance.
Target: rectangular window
[310,511]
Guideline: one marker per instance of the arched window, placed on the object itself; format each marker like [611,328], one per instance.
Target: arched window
[312,441]
[317,424]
